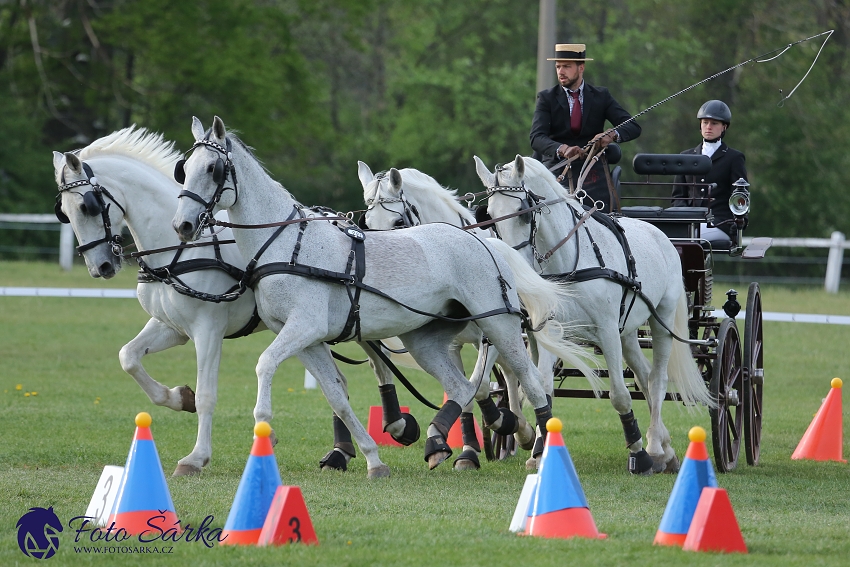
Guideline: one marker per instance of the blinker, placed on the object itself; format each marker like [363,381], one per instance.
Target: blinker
[481,214]
[180,172]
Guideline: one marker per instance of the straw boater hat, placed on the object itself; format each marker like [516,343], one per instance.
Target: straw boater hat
[570,52]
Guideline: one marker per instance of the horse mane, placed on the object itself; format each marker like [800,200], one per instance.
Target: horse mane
[232,134]
[137,143]
[542,172]
[420,182]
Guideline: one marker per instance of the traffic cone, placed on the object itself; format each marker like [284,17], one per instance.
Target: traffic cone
[455,440]
[823,440]
[714,527]
[375,426]
[143,494]
[695,474]
[558,506]
[288,520]
[256,491]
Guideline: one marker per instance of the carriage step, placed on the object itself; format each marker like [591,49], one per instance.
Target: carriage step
[605,394]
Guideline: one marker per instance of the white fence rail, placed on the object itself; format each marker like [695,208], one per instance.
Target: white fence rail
[836,244]
[66,234]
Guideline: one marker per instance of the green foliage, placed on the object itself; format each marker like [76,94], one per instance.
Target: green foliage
[315,85]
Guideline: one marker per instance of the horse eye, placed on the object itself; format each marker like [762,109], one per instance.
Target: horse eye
[399,223]
[83,209]
[210,168]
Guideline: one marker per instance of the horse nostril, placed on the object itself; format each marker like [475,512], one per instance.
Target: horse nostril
[107,270]
[186,228]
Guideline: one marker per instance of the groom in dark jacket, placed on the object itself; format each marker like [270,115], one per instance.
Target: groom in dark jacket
[573,113]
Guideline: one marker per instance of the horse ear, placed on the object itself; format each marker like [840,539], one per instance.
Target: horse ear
[218,129]
[73,162]
[197,128]
[395,180]
[58,161]
[364,173]
[482,171]
[519,167]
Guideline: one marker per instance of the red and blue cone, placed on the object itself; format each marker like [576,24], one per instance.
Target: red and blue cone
[143,502]
[695,474]
[558,507]
[255,493]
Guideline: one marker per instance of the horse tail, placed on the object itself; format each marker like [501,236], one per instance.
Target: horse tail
[542,299]
[681,369]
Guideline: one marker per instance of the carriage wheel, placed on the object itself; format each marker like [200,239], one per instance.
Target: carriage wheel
[496,446]
[726,383]
[754,363]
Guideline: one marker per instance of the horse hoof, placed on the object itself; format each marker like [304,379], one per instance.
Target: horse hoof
[434,459]
[382,471]
[186,470]
[467,461]
[187,397]
[532,464]
[672,466]
[273,438]
[525,437]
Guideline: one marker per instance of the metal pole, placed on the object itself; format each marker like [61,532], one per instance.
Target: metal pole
[66,246]
[833,262]
[545,45]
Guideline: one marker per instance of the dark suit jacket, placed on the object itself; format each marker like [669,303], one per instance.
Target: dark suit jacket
[727,166]
[551,125]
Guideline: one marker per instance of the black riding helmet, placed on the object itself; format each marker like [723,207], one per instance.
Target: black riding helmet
[716,110]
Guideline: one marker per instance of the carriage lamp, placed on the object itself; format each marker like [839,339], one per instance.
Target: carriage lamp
[739,201]
[731,307]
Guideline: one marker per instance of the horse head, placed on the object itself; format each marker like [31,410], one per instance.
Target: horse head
[88,207]
[386,205]
[208,178]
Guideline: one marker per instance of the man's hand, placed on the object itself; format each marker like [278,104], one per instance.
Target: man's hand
[566,152]
[603,139]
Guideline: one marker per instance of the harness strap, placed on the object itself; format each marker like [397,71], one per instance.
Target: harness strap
[249,327]
[339,277]
[376,348]
[356,258]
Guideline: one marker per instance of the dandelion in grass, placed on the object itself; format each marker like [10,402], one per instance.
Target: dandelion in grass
[26,394]
[19,387]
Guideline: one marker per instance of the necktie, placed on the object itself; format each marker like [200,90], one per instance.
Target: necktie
[575,113]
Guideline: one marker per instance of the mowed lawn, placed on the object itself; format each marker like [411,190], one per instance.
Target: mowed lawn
[79,416]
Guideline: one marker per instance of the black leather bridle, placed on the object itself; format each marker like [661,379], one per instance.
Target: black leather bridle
[409,215]
[222,168]
[93,204]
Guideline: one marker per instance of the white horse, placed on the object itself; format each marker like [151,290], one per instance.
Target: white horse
[407,197]
[421,285]
[606,313]
[125,178]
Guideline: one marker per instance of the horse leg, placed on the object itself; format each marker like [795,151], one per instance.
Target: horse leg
[156,336]
[317,359]
[429,346]
[401,426]
[659,444]
[525,433]
[208,354]
[507,339]
[296,335]
[610,342]
[468,459]
[343,450]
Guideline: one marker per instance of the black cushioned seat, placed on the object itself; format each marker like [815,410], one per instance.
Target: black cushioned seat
[690,213]
[641,212]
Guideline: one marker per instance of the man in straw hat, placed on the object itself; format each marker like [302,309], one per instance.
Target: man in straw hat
[573,113]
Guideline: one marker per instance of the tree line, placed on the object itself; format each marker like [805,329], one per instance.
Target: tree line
[315,85]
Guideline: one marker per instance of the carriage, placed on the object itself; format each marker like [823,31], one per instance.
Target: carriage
[732,366]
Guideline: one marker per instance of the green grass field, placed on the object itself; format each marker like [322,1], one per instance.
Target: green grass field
[79,418]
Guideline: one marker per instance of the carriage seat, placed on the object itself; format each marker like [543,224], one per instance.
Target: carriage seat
[675,222]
